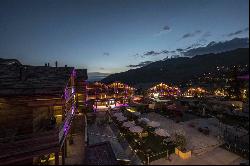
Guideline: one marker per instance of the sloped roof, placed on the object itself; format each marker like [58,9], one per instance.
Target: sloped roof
[33,80]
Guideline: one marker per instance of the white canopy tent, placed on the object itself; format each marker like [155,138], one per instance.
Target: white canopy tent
[162,132]
[153,124]
[136,129]
[128,124]
[121,118]
[118,114]
[144,120]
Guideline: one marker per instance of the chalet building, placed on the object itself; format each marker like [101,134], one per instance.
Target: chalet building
[195,91]
[102,96]
[163,91]
[38,106]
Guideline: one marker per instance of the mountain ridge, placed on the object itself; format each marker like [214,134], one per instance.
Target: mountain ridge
[179,69]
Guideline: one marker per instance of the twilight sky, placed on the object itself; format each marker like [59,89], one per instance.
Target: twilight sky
[108,35]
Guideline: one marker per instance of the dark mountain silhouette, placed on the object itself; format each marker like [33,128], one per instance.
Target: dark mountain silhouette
[176,70]
[217,47]
[96,76]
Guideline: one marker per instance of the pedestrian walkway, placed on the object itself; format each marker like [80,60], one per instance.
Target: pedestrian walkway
[109,132]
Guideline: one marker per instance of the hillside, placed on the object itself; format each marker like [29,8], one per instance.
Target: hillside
[180,69]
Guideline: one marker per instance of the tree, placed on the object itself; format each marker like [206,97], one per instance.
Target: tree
[180,141]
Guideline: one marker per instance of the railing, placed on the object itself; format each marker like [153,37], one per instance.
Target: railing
[64,128]
[70,95]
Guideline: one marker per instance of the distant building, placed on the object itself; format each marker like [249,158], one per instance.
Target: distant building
[163,91]
[102,96]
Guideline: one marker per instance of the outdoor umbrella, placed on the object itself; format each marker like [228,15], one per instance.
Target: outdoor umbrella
[136,129]
[162,133]
[121,118]
[153,124]
[136,113]
[143,120]
[128,124]
[117,114]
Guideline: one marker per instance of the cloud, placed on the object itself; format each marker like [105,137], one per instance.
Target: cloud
[193,46]
[141,64]
[101,68]
[241,31]
[246,29]
[191,34]
[235,33]
[179,49]
[165,52]
[199,43]
[106,54]
[151,53]
[164,30]
[136,55]
[216,47]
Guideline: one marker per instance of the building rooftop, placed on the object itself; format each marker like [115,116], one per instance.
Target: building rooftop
[18,79]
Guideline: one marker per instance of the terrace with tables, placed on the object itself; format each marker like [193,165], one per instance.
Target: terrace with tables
[146,138]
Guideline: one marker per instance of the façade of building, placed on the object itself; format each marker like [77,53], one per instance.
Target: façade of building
[163,91]
[38,107]
[101,96]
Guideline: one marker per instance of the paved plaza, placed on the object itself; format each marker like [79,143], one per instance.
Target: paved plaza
[205,149]
[196,141]
[217,156]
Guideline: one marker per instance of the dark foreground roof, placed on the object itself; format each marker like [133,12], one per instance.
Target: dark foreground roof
[100,154]
[35,80]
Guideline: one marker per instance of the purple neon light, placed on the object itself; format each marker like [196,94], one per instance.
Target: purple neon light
[73,110]
[74,73]
[244,77]
[67,95]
